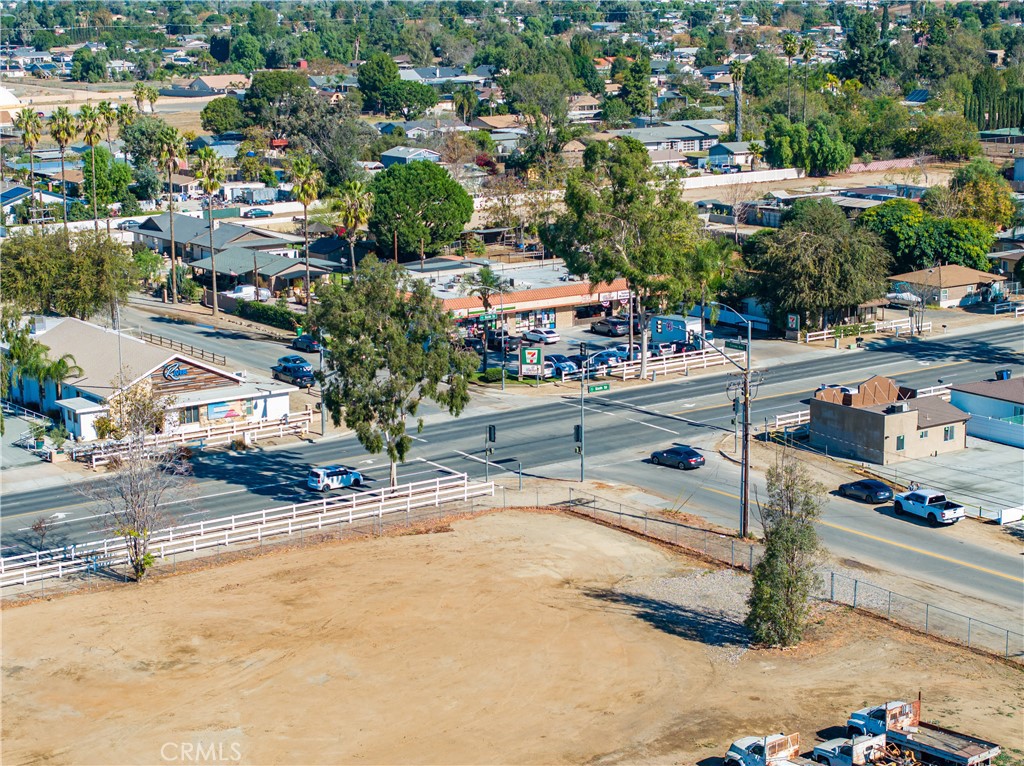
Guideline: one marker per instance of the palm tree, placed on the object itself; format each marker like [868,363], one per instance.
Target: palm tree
[27,360]
[126,116]
[737,70]
[464,99]
[756,155]
[152,94]
[307,181]
[713,261]
[63,131]
[59,370]
[790,47]
[31,127]
[90,125]
[171,154]
[139,94]
[356,205]
[483,284]
[211,173]
[806,51]
[108,118]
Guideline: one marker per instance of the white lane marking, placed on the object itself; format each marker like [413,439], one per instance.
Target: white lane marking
[417,438]
[481,460]
[651,425]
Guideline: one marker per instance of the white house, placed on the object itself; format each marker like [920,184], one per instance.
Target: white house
[996,407]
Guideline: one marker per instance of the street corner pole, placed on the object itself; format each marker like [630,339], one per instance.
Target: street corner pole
[323,405]
[583,430]
[745,479]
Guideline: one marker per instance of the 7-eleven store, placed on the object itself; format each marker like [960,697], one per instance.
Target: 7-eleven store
[561,306]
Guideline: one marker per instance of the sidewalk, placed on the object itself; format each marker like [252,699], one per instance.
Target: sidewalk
[200,315]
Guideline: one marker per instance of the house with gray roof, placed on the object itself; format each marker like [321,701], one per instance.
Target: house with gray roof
[403,155]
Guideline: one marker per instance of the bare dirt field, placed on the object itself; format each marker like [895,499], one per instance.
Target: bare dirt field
[511,638]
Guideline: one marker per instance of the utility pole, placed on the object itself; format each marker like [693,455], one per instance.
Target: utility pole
[323,405]
[395,233]
[490,437]
[580,437]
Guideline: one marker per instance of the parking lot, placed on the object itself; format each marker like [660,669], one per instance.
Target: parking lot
[986,475]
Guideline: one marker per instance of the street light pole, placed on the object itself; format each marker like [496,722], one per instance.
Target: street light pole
[323,386]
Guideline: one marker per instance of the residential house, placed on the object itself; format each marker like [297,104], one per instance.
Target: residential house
[201,394]
[584,108]
[14,194]
[182,184]
[883,423]
[950,285]
[215,84]
[403,155]
[232,235]
[420,129]
[499,122]
[275,271]
[685,137]
[730,153]
[996,408]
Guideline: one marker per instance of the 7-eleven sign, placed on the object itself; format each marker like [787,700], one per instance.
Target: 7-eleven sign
[530,356]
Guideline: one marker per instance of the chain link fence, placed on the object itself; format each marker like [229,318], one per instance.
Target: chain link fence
[837,588]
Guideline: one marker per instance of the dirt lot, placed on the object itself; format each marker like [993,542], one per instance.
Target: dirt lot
[514,638]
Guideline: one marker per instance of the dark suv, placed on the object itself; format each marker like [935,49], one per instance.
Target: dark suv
[611,327]
[297,375]
[496,340]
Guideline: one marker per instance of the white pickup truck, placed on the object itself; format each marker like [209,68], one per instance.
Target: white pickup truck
[858,751]
[928,504]
[770,750]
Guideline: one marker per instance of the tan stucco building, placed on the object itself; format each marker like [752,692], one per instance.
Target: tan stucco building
[880,422]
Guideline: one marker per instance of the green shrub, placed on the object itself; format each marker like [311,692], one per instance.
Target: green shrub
[491,375]
[269,314]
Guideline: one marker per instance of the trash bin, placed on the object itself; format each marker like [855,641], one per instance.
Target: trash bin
[1002,374]
[860,343]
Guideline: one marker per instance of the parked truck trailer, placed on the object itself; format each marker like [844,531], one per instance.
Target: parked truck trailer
[902,725]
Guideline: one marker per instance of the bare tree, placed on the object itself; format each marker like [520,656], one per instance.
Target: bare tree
[42,527]
[144,474]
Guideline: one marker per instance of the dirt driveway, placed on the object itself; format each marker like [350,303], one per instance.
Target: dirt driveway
[516,637]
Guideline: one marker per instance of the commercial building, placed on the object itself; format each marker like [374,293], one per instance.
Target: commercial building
[200,393]
[539,294]
[950,285]
[881,422]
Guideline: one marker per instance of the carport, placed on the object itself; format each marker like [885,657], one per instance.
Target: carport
[275,270]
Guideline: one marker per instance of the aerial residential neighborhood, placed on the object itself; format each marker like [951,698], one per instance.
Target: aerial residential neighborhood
[512,382]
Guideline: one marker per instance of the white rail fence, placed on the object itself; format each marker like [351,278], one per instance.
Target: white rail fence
[870,328]
[790,419]
[1014,307]
[210,436]
[247,527]
[679,364]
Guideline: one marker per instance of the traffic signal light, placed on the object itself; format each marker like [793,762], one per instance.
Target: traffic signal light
[577,433]
[492,433]
[657,325]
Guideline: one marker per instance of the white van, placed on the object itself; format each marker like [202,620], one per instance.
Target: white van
[249,293]
[333,477]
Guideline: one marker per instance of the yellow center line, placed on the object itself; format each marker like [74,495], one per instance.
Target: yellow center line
[805,391]
[904,546]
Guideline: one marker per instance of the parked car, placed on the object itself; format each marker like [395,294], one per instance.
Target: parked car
[842,389]
[604,359]
[297,375]
[583,364]
[333,477]
[678,457]
[249,293]
[562,363]
[131,223]
[257,212]
[306,343]
[496,341]
[858,751]
[611,327]
[679,347]
[868,490]
[929,504]
[541,335]
[770,750]
[623,350]
[294,360]
[473,344]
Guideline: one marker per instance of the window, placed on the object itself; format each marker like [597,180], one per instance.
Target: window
[922,434]
[948,433]
[1018,411]
[901,443]
[189,415]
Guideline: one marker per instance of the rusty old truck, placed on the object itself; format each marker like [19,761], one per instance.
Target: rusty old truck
[770,750]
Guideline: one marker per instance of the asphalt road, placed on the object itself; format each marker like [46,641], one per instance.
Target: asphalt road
[622,427]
